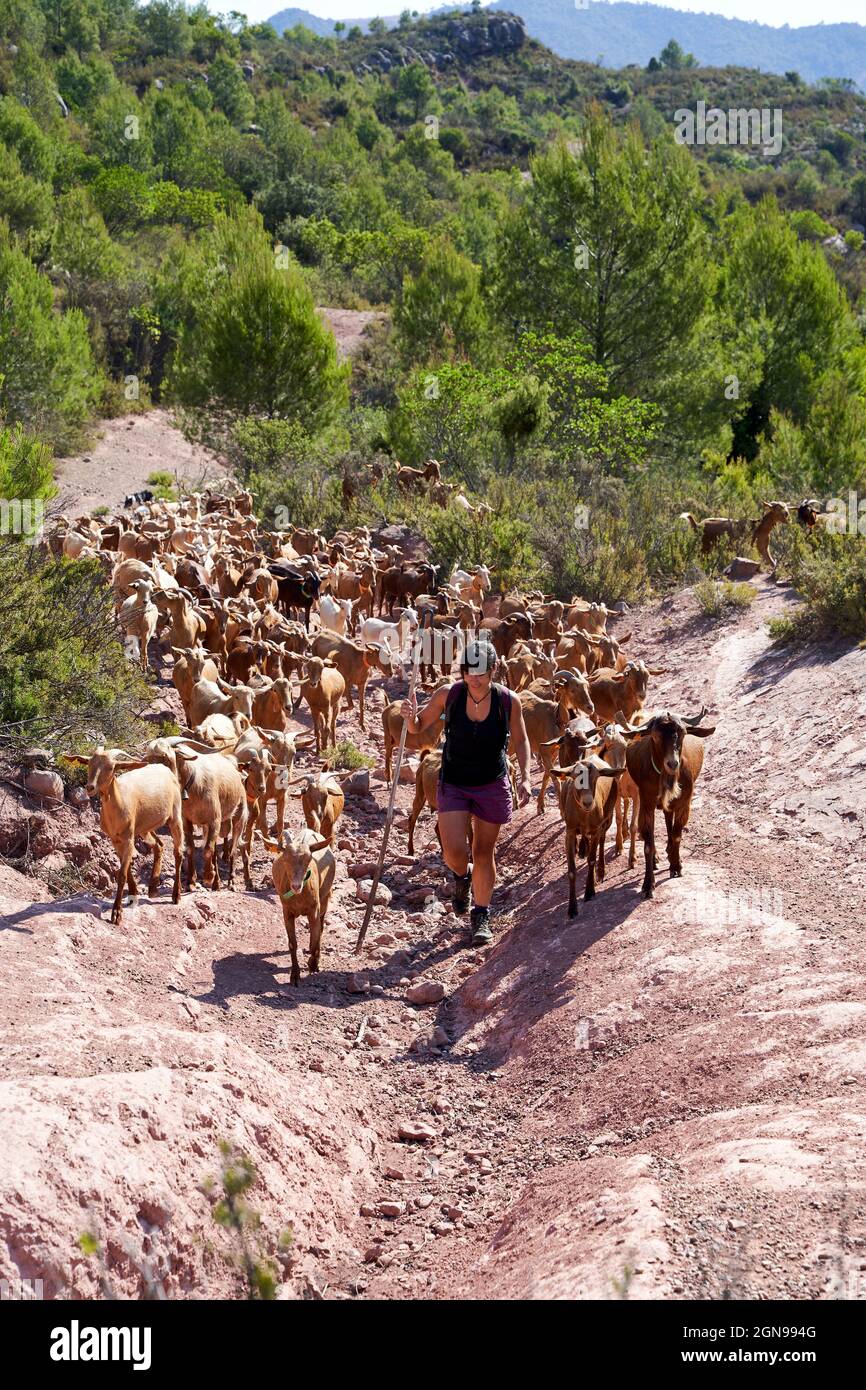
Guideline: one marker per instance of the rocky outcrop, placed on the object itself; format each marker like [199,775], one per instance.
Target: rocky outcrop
[464,39]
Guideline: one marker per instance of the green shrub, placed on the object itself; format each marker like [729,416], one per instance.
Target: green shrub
[716,600]
[163,485]
[830,573]
[346,756]
[64,678]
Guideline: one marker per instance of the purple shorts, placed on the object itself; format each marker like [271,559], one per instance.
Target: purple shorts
[490,802]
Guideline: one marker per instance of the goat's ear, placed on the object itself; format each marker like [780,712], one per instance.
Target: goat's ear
[552,743]
[319,845]
[132,765]
[560,773]
[657,670]
[701,732]
[76,758]
[272,846]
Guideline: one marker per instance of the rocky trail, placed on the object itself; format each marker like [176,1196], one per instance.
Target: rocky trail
[656,1099]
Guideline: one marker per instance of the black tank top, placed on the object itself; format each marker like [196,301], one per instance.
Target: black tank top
[474,751]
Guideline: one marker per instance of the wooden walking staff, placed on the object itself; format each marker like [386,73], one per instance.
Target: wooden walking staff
[394,781]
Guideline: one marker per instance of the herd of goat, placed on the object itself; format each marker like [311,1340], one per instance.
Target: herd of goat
[257,621]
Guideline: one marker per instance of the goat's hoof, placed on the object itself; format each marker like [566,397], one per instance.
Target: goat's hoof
[295,978]
[647,892]
[572,910]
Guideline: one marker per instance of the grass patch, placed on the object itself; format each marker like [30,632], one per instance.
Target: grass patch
[163,485]
[718,600]
[347,757]
[830,573]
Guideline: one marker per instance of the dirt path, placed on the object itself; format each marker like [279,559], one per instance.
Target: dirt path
[125,454]
[661,1098]
[349,327]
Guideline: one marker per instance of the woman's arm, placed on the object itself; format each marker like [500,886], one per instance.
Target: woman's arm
[523,752]
[417,721]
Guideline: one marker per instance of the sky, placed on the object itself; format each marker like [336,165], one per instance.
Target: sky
[793,12]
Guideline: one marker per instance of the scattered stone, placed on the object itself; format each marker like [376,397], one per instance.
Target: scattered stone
[364,889]
[358,784]
[43,835]
[384,939]
[424,1200]
[398,1174]
[414,1132]
[44,786]
[426,992]
[358,982]
[80,850]
[364,868]
[390,1209]
[36,757]
[317,1064]
[77,797]
[367,1210]
[741,568]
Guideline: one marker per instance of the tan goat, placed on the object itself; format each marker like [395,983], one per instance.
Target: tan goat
[213,797]
[322,800]
[133,806]
[323,688]
[303,874]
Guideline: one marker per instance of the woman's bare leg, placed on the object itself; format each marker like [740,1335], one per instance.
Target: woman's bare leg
[454,834]
[484,837]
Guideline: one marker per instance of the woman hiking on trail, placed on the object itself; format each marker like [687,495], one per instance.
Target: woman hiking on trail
[474,785]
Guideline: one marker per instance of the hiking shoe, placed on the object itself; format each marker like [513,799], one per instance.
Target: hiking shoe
[479,923]
[462,889]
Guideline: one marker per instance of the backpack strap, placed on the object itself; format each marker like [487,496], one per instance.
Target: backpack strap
[505,702]
[451,701]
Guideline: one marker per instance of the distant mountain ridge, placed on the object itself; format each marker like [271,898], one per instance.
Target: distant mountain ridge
[619,32]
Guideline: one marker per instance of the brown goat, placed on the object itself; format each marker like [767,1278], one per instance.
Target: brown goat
[392,723]
[303,873]
[587,805]
[775,514]
[664,761]
[620,690]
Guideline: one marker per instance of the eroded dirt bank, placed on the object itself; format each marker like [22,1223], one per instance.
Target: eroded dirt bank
[662,1097]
